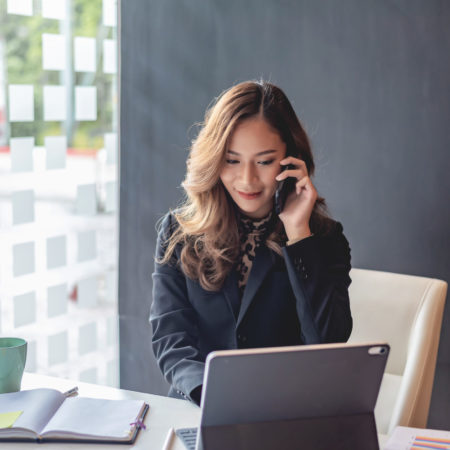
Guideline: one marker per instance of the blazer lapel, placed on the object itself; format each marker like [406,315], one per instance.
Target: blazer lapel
[231,291]
[264,260]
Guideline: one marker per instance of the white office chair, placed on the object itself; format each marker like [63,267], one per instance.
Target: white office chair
[406,312]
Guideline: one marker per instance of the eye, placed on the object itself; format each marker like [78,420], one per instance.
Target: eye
[232,161]
[266,163]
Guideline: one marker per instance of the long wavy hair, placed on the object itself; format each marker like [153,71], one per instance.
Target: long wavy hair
[207,228]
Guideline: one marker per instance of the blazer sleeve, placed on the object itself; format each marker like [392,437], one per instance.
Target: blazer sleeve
[318,268]
[174,323]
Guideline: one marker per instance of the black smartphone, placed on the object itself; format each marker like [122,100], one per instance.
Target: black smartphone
[284,188]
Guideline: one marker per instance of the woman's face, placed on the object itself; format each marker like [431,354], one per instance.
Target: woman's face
[252,163]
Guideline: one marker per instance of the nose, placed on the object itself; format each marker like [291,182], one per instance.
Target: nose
[248,174]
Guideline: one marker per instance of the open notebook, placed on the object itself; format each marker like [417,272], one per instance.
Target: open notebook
[47,415]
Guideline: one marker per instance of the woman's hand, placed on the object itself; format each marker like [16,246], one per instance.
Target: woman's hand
[299,203]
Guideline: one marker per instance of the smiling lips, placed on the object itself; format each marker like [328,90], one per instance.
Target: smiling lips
[249,195]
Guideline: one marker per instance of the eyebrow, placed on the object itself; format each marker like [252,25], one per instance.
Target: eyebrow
[265,152]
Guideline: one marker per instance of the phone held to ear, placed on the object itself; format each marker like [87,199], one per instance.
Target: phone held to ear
[285,187]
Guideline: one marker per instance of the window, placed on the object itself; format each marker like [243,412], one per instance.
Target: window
[59,185]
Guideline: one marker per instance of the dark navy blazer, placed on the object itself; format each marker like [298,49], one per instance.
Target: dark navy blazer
[300,298]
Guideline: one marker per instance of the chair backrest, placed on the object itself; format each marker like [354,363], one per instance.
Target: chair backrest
[406,312]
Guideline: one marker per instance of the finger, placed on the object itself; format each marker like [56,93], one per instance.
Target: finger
[303,183]
[296,173]
[292,160]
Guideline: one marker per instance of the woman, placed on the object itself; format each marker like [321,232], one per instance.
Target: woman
[231,273]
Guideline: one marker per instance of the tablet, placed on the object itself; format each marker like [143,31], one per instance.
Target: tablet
[304,396]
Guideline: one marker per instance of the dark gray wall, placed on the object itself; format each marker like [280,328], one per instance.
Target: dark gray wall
[369,80]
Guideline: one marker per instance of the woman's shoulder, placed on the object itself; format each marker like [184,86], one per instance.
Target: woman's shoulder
[326,227]
[331,234]
[336,242]
[167,224]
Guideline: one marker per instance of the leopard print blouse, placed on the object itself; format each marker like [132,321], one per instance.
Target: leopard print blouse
[253,233]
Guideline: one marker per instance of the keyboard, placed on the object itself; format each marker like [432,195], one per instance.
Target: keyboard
[188,436]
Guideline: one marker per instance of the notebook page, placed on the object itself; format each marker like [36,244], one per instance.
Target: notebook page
[95,418]
[38,406]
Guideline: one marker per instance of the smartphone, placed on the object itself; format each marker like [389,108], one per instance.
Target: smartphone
[284,188]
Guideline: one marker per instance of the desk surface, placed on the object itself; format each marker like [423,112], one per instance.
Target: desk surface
[164,413]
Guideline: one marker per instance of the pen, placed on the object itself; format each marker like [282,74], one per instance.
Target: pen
[169,438]
[71,392]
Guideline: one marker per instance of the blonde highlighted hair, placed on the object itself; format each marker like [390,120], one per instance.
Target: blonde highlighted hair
[207,228]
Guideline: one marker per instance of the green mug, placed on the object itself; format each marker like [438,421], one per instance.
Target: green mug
[13,354]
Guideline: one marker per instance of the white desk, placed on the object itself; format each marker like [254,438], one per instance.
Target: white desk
[164,413]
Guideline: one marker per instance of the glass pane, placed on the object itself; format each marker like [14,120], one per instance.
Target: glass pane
[59,185]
